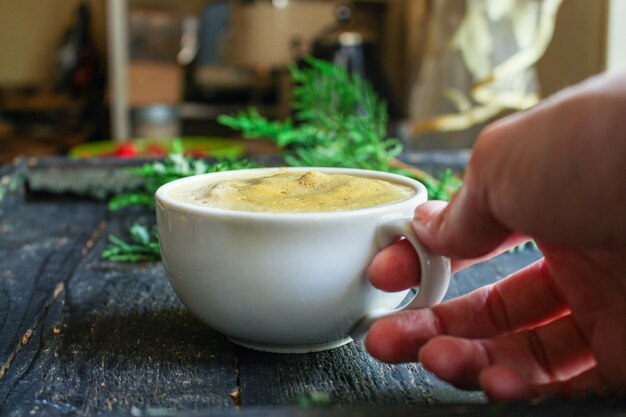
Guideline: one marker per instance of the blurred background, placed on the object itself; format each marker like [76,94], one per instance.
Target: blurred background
[86,77]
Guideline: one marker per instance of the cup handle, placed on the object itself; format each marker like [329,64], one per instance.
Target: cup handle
[435,274]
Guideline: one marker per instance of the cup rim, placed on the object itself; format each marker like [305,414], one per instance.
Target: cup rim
[161,197]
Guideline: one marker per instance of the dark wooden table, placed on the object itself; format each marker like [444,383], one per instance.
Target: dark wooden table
[80,335]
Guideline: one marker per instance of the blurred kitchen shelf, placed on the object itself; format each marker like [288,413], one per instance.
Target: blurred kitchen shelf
[36,120]
[12,146]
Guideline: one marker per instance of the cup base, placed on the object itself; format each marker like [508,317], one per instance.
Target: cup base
[292,349]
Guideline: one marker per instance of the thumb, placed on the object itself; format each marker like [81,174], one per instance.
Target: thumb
[465,228]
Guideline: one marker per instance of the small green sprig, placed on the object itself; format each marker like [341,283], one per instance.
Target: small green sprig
[143,246]
[175,165]
[311,399]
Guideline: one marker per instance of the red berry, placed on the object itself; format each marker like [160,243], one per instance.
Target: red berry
[126,150]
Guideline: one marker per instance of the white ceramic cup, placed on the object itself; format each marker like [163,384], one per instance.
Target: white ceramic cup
[289,282]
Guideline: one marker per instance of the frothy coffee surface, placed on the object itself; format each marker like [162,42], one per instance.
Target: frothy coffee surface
[312,191]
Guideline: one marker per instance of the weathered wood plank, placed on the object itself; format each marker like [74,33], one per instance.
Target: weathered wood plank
[597,407]
[347,375]
[117,340]
[41,244]
[491,271]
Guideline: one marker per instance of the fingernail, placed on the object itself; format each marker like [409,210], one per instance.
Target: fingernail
[421,217]
[425,213]
[421,213]
[422,224]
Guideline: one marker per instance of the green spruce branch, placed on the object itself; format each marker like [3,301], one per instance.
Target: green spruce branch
[338,121]
[143,246]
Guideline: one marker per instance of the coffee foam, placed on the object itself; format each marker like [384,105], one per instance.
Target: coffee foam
[286,192]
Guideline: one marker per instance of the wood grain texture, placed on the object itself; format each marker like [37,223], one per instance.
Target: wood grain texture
[347,375]
[597,407]
[115,338]
[38,254]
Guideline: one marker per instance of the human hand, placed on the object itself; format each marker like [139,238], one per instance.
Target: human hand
[557,174]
